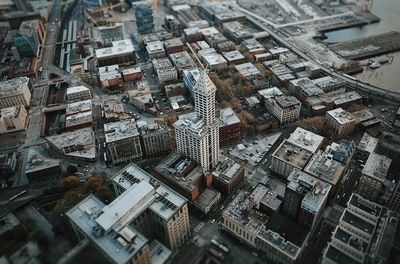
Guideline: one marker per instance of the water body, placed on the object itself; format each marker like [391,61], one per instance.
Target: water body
[388,75]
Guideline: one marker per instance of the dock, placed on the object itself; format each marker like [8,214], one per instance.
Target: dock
[367,47]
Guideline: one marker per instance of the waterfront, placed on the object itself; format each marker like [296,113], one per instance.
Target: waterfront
[387,76]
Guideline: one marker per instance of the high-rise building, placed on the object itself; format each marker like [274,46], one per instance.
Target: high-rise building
[198,137]
[144,18]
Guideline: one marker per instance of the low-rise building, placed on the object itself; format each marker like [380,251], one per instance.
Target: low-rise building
[155,50]
[228,175]
[367,145]
[304,88]
[341,121]
[132,74]
[40,168]
[173,45]
[236,31]
[323,166]
[182,61]
[234,57]
[156,140]
[113,110]
[121,52]
[78,93]
[229,125]
[285,108]
[212,59]
[253,47]
[249,71]
[110,77]
[8,164]
[305,198]
[78,115]
[122,141]
[365,234]
[280,71]
[373,176]
[207,200]
[78,144]
[295,151]
[14,92]
[181,174]
[165,70]
[13,119]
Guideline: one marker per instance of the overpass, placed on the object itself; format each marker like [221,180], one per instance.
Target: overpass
[353,83]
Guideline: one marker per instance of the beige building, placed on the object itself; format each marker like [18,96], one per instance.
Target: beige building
[341,121]
[166,216]
[285,108]
[141,226]
[373,176]
[15,92]
[13,119]
[295,151]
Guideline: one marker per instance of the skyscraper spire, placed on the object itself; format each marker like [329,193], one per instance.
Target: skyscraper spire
[198,138]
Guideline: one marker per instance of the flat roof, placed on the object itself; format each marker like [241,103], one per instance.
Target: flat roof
[207,198]
[316,191]
[227,169]
[306,139]
[79,107]
[81,137]
[127,206]
[77,89]
[247,69]
[124,129]
[377,166]
[109,72]
[154,47]
[233,55]
[131,70]
[13,86]
[79,118]
[119,47]
[324,167]
[295,155]
[306,86]
[368,143]
[285,101]
[180,170]
[182,60]
[166,201]
[113,243]
[228,117]
[270,92]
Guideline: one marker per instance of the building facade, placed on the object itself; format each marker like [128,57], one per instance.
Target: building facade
[341,121]
[156,140]
[13,119]
[122,141]
[198,138]
[14,92]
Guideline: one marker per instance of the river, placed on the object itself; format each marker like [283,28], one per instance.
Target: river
[388,75]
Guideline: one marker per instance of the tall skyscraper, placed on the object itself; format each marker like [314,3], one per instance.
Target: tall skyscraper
[198,137]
